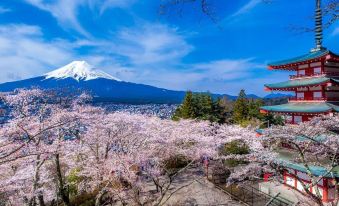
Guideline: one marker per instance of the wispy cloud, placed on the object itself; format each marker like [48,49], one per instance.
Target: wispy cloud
[228,69]
[104,5]
[247,7]
[4,10]
[152,43]
[66,12]
[31,55]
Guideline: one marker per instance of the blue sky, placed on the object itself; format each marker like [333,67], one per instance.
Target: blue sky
[181,50]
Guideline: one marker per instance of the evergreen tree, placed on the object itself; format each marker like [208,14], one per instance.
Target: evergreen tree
[226,106]
[199,106]
[186,110]
[241,108]
[270,120]
[206,107]
[254,109]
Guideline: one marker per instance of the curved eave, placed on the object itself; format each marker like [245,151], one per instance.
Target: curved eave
[315,170]
[301,108]
[292,64]
[286,158]
[293,84]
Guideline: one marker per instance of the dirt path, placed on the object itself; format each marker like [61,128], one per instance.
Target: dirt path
[199,192]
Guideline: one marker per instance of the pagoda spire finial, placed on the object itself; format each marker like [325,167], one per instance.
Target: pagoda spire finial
[318,27]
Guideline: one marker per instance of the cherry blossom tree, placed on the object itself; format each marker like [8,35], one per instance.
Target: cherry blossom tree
[35,128]
[111,156]
[125,156]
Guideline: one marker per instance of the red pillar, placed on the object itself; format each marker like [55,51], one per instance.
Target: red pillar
[325,190]
[295,179]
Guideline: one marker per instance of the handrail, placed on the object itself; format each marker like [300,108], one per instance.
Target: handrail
[251,196]
[296,76]
[313,98]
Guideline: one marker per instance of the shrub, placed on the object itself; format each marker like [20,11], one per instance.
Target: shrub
[175,162]
[234,162]
[236,147]
[73,180]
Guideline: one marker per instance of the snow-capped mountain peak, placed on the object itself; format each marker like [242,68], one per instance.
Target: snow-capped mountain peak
[79,70]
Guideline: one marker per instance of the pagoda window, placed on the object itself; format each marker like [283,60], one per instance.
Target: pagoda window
[297,119]
[299,186]
[301,72]
[290,181]
[300,95]
[317,94]
[314,191]
[317,70]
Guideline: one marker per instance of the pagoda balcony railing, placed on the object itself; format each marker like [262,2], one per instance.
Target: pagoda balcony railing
[297,76]
[313,99]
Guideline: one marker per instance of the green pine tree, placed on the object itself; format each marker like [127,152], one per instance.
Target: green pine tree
[254,109]
[241,108]
[226,106]
[206,106]
[186,110]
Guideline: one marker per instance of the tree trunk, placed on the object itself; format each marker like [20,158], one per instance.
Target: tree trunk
[63,191]
[36,178]
[41,200]
[99,197]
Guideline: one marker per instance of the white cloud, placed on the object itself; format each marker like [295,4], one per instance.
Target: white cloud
[24,53]
[247,7]
[4,10]
[153,43]
[104,5]
[66,11]
[222,76]
[228,69]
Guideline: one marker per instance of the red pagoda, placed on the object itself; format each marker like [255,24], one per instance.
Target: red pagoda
[316,88]
[315,84]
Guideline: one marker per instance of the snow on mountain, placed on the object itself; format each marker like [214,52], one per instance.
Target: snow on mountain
[79,70]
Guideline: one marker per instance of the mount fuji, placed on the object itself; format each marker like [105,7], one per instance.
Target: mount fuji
[80,76]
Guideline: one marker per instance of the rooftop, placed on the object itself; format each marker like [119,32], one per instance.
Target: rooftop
[287,157]
[300,83]
[302,107]
[313,55]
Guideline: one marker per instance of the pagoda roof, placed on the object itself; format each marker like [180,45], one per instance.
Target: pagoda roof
[302,107]
[316,170]
[311,56]
[300,83]
[285,158]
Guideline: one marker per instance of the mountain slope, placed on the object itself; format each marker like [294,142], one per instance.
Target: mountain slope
[79,70]
[102,89]
[277,95]
[78,76]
